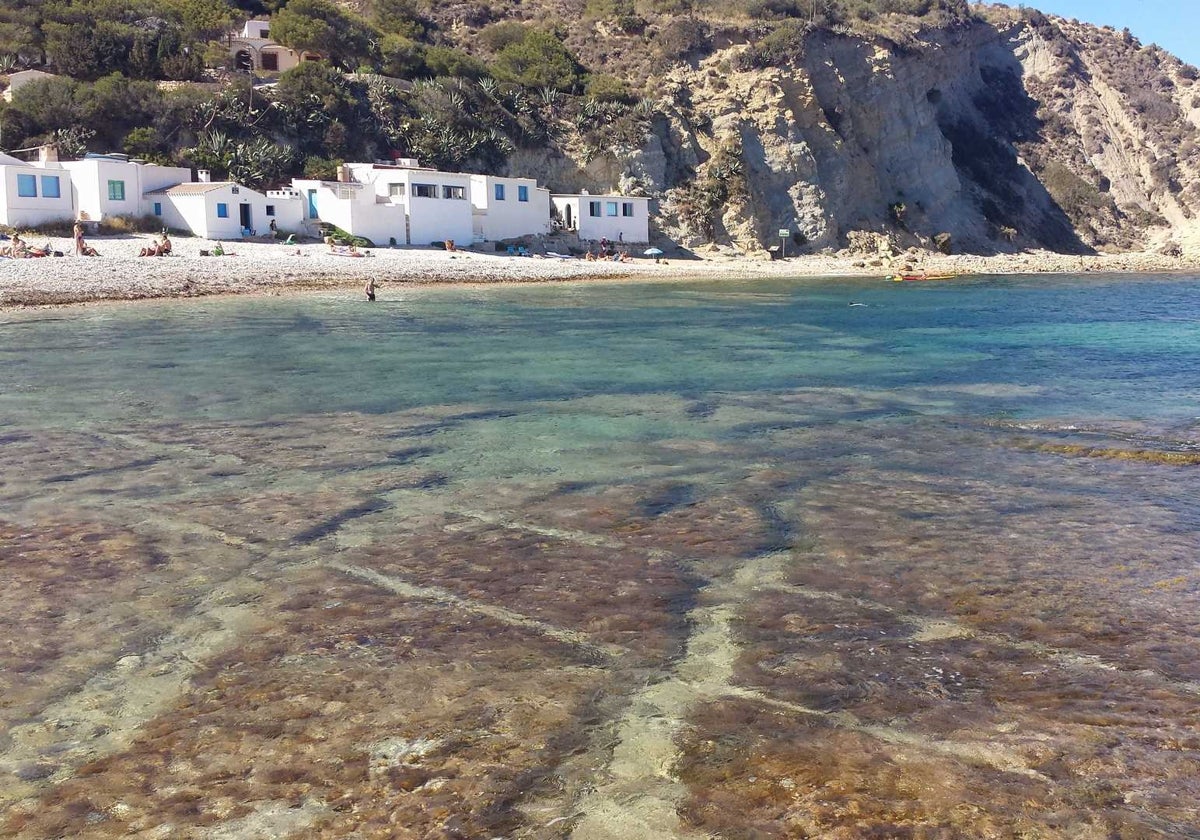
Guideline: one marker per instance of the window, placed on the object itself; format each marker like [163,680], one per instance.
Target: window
[116,190]
[51,187]
[270,61]
[522,193]
[235,190]
[499,192]
[593,208]
[270,210]
[424,190]
[610,208]
[396,191]
[264,33]
[222,211]
[158,208]
[454,192]
[27,186]
[627,208]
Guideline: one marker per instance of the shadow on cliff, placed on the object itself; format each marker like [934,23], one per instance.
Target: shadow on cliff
[984,140]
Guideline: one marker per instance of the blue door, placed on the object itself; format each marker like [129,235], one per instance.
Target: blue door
[312,204]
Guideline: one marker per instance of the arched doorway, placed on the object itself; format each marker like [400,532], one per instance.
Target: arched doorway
[567,219]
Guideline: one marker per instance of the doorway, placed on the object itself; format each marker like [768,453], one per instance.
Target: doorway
[245,217]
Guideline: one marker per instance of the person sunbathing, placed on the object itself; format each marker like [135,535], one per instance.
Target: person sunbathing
[164,247]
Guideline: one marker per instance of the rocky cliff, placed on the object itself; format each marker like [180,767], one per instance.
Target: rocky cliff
[1011,130]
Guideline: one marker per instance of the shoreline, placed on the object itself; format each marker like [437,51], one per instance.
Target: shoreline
[270,268]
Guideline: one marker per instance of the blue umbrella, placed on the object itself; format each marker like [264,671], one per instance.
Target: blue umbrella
[652,252]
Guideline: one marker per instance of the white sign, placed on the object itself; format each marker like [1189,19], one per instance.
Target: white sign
[784,233]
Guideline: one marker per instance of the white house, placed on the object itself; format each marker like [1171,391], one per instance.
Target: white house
[353,207]
[33,193]
[508,208]
[114,185]
[620,218]
[253,51]
[222,209]
[18,80]
[400,201]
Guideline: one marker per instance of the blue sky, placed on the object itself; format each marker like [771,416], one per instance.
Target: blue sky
[1172,24]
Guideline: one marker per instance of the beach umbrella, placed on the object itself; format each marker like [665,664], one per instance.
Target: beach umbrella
[652,252]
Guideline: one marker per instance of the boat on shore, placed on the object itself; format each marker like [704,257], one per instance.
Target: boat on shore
[904,278]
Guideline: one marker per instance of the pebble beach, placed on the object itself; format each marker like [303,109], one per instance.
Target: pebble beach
[266,267]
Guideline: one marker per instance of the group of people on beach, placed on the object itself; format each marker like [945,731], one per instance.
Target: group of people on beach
[608,251]
[161,248]
[18,248]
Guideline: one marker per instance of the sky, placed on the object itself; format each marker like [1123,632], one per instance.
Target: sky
[1172,24]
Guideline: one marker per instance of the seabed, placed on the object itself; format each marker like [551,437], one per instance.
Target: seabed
[310,628]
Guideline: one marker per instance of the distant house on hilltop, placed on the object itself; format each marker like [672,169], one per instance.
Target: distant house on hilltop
[18,80]
[253,51]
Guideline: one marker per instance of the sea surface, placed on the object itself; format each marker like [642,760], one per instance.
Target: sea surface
[828,559]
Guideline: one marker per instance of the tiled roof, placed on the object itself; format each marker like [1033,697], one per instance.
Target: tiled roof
[194,188]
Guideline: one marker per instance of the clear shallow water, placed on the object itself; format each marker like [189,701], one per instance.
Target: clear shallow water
[1121,347]
[939,531]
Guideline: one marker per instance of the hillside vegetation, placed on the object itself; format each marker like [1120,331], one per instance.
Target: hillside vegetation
[877,124]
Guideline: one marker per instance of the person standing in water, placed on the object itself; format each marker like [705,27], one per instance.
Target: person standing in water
[370,290]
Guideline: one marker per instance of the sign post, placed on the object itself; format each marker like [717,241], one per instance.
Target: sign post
[784,234]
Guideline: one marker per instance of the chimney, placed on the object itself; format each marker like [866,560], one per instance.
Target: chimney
[48,153]
[344,173]
[203,176]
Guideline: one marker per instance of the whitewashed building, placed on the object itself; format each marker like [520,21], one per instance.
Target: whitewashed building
[18,80]
[114,185]
[398,202]
[353,207]
[508,208]
[619,218]
[33,193]
[252,51]
[223,209]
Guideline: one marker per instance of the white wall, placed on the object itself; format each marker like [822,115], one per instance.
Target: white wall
[182,212]
[367,208]
[90,177]
[633,229]
[198,213]
[18,211]
[509,218]
[289,211]
[356,209]
[438,219]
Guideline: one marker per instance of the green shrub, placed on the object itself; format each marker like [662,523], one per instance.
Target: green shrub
[785,44]
[539,60]
[605,88]
[447,61]
[321,169]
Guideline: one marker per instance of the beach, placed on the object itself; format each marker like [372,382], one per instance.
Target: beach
[267,267]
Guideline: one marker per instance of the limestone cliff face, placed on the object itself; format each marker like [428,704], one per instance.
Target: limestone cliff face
[1026,132]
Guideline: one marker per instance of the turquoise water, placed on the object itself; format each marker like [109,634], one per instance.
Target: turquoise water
[1120,348]
[872,477]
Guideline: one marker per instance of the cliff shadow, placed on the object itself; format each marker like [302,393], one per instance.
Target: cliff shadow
[985,138]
